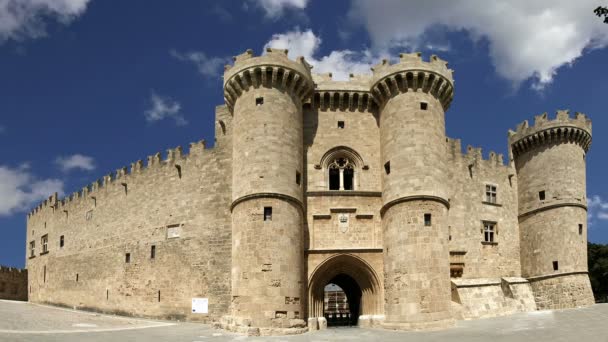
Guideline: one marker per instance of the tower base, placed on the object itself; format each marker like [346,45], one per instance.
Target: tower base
[562,291]
[243,326]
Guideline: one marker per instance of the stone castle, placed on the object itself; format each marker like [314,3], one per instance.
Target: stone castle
[313,181]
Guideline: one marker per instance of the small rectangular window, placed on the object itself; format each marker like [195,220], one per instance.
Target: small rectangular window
[555,266]
[153,252]
[340,124]
[267,213]
[32,249]
[298,177]
[387,167]
[89,215]
[259,101]
[489,229]
[61,241]
[128,258]
[490,193]
[427,219]
[424,105]
[580,229]
[541,195]
[76,277]
[45,243]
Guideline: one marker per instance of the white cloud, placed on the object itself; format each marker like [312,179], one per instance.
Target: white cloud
[276,8]
[207,66]
[75,161]
[597,209]
[20,19]
[340,62]
[164,108]
[527,39]
[20,189]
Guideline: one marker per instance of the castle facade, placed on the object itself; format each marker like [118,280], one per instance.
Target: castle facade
[311,182]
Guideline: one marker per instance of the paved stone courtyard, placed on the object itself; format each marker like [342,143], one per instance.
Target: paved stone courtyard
[21,321]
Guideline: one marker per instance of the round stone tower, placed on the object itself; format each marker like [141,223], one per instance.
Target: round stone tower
[265,95]
[549,160]
[413,96]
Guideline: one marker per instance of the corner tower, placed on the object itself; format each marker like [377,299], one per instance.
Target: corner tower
[550,164]
[413,96]
[265,95]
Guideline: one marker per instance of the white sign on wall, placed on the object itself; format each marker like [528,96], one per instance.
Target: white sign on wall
[200,305]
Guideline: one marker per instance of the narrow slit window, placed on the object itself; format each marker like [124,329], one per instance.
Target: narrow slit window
[267,213]
[334,179]
[541,195]
[348,177]
[259,101]
[555,266]
[427,219]
[76,277]
[341,124]
[128,258]
[580,229]
[153,252]
[32,249]
[159,296]
[61,241]
[424,105]
[298,177]
[387,167]
[44,276]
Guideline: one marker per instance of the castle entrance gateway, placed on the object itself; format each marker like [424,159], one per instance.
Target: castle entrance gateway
[361,287]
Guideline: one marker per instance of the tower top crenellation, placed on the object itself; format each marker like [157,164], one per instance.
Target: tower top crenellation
[563,126]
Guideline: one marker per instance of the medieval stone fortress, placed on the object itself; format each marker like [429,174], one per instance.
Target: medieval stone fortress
[313,181]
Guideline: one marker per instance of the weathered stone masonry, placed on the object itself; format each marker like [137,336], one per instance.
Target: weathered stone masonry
[314,181]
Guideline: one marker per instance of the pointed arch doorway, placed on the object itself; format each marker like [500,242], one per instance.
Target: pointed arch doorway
[359,283]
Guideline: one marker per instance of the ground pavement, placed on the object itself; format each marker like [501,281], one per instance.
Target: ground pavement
[20,321]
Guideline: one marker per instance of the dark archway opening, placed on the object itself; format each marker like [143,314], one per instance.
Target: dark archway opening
[342,301]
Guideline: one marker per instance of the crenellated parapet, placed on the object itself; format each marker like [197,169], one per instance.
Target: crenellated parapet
[545,131]
[272,70]
[122,176]
[411,73]
[351,95]
[473,156]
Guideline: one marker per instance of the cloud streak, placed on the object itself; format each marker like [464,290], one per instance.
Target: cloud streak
[276,8]
[164,108]
[527,39]
[210,67]
[75,162]
[340,62]
[21,19]
[597,209]
[20,189]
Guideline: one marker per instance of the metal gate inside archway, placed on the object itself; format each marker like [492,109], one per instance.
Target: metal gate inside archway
[358,295]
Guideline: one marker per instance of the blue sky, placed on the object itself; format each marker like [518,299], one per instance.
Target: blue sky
[89,86]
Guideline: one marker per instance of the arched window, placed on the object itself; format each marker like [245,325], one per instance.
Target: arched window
[341,174]
[341,165]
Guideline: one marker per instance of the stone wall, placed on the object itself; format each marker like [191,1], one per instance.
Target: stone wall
[179,206]
[468,175]
[562,291]
[13,283]
[491,297]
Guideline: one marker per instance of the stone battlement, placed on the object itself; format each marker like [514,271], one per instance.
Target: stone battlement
[12,270]
[411,73]
[545,130]
[274,69]
[173,156]
[474,155]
